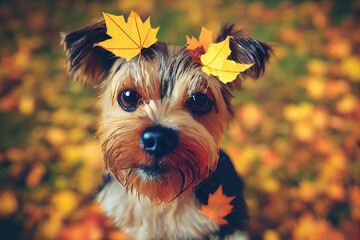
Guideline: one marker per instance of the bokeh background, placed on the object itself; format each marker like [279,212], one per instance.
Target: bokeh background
[295,139]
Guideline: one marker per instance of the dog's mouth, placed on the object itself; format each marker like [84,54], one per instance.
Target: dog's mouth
[150,173]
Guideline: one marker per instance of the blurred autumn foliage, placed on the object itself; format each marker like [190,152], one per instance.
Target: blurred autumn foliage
[295,138]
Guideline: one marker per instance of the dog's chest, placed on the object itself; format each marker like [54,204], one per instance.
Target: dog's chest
[134,216]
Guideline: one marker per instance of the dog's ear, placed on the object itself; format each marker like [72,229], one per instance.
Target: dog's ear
[246,49]
[86,63]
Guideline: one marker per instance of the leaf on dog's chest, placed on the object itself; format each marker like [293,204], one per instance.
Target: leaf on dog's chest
[128,38]
[215,62]
[218,206]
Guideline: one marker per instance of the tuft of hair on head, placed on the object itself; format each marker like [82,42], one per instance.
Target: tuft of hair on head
[89,64]
[245,49]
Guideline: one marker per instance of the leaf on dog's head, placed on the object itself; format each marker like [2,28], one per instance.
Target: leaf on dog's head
[197,48]
[218,206]
[128,38]
[215,62]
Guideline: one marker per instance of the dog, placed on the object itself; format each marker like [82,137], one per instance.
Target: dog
[162,119]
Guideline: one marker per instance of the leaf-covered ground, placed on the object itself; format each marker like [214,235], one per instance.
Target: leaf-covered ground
[295,139]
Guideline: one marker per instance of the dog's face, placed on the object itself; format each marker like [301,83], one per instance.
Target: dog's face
[162,117]
[161,125]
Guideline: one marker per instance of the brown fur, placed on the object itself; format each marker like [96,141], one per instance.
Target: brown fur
[163,205]
[199,136]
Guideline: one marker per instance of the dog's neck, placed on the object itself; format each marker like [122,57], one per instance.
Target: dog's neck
[182,219]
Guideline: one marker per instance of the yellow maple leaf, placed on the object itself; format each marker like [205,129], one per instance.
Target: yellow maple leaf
[127,38]
[215,62]
[205,39]
[218,206]
[197,48]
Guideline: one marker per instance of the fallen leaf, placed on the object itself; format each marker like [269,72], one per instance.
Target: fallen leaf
[56,136]
[355,202]
[337,88]
[315,87]
[218,206]
[346,104]
[304,227]
[335,191]
[128,38]
[303,131]
[215,62]
[8,203]
[350,67]
[317,67]
[250,115]
[197,48]
[65,201]
[26,105]
[290,35]
[271,235]
[302,111]
[116,235]
[324,230]
[307,191]
[35,176]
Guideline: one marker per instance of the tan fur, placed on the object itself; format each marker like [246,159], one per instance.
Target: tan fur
[120,131]
[148,198]
[182,219]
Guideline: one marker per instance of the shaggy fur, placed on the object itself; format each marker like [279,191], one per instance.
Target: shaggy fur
[164,205]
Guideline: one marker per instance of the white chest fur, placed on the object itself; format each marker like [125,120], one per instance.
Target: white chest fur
[134,216]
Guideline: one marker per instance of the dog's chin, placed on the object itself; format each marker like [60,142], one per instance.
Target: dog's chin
[160,186]
[147,173]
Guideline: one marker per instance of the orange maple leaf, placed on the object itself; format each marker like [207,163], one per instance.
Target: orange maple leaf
[197,48]
[218,206]
[128,38]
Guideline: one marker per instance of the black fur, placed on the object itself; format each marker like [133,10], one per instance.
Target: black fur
[246,49]
[85,61]
[106,179]
[232,185]
[93,64]
[171,68]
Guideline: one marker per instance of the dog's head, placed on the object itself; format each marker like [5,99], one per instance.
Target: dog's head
[162,116]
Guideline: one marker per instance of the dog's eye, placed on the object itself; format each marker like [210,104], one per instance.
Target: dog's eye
[128,99]
[199,103]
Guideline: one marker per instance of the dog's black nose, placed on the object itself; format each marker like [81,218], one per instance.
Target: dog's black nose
[159,141]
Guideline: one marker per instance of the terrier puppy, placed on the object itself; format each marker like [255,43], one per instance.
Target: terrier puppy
[160,128]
